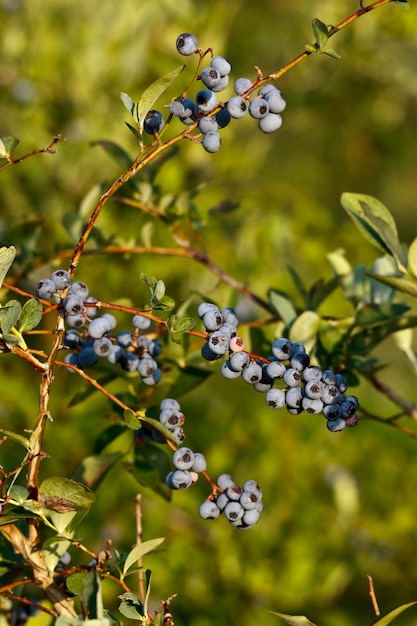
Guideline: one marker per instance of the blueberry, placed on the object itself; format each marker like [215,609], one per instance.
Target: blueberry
[183,458]
[262,386]
[111,320]
[314,389]
[129,362]
[219,341]
[341,383]
[209,510]
[221,65]
[275,398]
[222,118]
[312,373]
[115,354]
[207,354]
[171,418]
[76,321]
[73,305]
[154,347]
[153,122]
[89,304]
[258,108]
[352,420]
[199,463]
[282,349]
[211,142]
[186,44]
[229,316]
[179,479]
[224,481]
[329,377]
[312,406]
[237,107]
[103,346]
[292,377]
[299,361]
[178,434]
[250,517]
[336,425]
[61,278]
[248,500]
[169,403]
[143,342]
[212,319]
[87,357]
[206,100]
[270,123]
[233,492]
[276,369]
[125,339]
[204,307]
[210,77]
[252,373]
[207,124]
[154,379]
[227,372]
[330,394]
[80,289]
[189,108]
[98,328]
[147,367]
[238,361]
[242,85]
[234,511]
[332,411]
[71,339]
[45,288]
[222,84]
[294,398]
[221,501]
[349,406]
[176,108]
[275,101]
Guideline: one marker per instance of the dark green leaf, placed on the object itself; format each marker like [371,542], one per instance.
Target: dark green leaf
[93,469]
[87,585]
[151,464]
[403,3]
[164,304]
[30,315]
[136,133]
[9,315]
[7,146]
[309,48]
[131,607]
[372,314]
[376,223]
[88,390]
[188,378]
[152,93]
[321,33]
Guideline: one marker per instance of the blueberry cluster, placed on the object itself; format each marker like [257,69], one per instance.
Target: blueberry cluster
[172,418]
[213,115]
[242,506]
[286,377]
[91,339]
[188,465]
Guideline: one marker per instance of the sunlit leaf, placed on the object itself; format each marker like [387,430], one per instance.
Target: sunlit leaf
[60,487]
[23,441]
[321,33]
[294,620]
[331,52]
[139,551]
[30,315]
[400,284]
[412,257]
[128,102]
[152,93]
[285,308]
[131,607]
[7,146]
[393,614]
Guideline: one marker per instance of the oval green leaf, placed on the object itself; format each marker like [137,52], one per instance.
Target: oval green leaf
[7,256]
[139,551]
[152,93]
[30,315]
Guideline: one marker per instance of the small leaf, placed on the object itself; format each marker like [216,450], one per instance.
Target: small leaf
[7,256]
[309,48]
[376,223]
[77,494]
[139,551]
[9,315]
[179,325]
[305,329]
[7,146]
[152,93]
[412,257]
[284,306]
[131,607]
[135,132]
[128,102]
[159,290]
[387,619]
[400,284]
[31,315]
[23,441]
[331,52]
[321,33]
[164,304]
[294,620]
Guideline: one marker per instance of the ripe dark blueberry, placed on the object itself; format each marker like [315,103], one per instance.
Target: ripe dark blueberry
[153,122]
[237,107]
[222,65]
[186,44]
[222,118]
[299,360]
[80,289]
[61,278]
[125,339]
[45,289]
[262,386]
[208,354]
[154,379]
[154,347]
[275,398]
[87,357]
[292,377]
[209,510]
[258,108]
[71,339]
[189,108]
[270,123]
[115,354]
[206,100]
[336,425]
[242,85]
[341,383]
[329,377]
[227,372]
[212,319]
[229,316]
[143,342]
[129,362]
[332,411]
[282,349]
[349,406]
[183,458]
[73,305]
[211,142]
[176,108]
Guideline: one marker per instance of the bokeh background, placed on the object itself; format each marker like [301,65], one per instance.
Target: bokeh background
[338,507]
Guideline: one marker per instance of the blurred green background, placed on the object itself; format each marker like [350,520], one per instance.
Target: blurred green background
[338,507]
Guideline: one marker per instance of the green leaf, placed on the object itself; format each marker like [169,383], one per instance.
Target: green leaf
[376,224]
[69,490]
[164,304]
[135,132]
[93,469]
[159,290]
[131,607]
[9,315]
[23,441]
[331,52]
[309,48]
[7,146]
[30,315]
[179,325]
[294,620]
[87,585]
[393,614]
[400,284]
[321,33]
[54,548]
[150,464]
[152,93]
[128,102]
[305,329]
[7,256]
[284,306]
[139,551]
[412,257]
[372,314]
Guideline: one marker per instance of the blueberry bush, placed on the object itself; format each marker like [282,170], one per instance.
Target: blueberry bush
[180,364]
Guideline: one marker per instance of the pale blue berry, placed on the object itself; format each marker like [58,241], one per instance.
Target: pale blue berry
[275,398]
[45,289]
[61,278]
[258,108]
[237,107]
[211,142]
[242,85]
[206,100]
[209,510]
[183,458]
[270,123]
[222,65]
[98,327]
[186,44]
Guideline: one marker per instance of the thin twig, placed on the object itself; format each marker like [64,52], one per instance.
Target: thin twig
[373,596]
[139,530]
[407,407]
